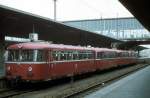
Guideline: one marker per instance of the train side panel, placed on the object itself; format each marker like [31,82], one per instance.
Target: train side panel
[26,71]
[69,68]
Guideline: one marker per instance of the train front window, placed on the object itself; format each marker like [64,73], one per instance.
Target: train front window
[13,55]
[25,55]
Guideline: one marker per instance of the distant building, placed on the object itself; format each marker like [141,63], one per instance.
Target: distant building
[120,28]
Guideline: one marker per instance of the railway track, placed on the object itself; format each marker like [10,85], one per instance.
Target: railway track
[98,83]
[79,86]
[96,86]
[7,93]
[4,90]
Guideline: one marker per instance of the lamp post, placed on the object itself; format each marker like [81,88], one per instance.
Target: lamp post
[55,10]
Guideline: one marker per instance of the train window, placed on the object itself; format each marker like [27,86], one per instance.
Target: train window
[104,55]
[108,54]
[69,55]
[66,55]
[112,54]
[86,55]
[32,55]
[120,54]
[63,55]
[82,55]
[40,55]
[27,55]
[56,55]
[75,55]
[90,55]
[13,55]
[99,55]
[124,54]
[127,54]
[72,55]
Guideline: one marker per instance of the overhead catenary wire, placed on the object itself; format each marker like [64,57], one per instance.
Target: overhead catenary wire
[86,4]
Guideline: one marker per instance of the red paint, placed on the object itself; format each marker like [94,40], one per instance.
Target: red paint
[53,70]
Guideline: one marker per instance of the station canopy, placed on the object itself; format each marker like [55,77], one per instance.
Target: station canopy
[17,23]
[140,9]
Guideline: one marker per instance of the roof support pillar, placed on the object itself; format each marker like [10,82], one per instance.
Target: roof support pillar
[2,51]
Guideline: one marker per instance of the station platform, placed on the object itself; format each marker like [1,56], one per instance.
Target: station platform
[136,85]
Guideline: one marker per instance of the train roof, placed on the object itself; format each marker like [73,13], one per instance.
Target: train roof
[46,45]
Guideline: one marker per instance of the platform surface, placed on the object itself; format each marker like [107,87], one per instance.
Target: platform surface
[136,85]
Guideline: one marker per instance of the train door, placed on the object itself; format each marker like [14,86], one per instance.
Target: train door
[49,64]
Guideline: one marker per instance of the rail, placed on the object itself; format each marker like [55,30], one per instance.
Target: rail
[99,82]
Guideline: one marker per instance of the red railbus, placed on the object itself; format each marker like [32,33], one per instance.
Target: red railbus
[41,61]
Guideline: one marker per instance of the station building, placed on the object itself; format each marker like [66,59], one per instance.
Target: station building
[119,28]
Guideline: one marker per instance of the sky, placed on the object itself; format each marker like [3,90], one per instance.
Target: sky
[71,9]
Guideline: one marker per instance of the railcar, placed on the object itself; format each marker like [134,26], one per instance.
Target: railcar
[41,61]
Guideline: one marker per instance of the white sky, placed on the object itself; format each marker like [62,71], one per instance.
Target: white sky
[71,9]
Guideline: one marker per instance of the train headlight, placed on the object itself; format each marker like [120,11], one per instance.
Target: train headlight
[29,73]
[30,68]
[8,68]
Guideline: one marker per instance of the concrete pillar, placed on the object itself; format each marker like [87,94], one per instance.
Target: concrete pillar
[2,50]
[138,53]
